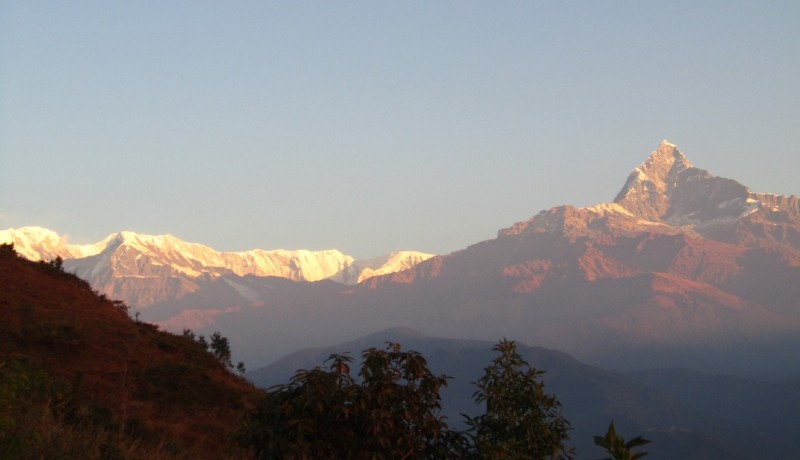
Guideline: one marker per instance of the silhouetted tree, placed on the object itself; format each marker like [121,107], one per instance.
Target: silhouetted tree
[391,411]
[7,249]
[521,420]
[221,348]
[203,342]
[616,446]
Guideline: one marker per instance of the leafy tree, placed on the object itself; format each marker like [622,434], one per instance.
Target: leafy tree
[521,420]
[203,342]
[221,348]
[57,264]
[189,334]
[390,411]
[616,446]
[121,306]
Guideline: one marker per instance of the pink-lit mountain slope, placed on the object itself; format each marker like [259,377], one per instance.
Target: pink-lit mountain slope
[683,268]
[681,259]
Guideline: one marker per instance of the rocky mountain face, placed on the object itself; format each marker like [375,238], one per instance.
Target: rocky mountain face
[144,270]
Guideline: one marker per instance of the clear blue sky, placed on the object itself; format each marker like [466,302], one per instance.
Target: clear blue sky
[377,126]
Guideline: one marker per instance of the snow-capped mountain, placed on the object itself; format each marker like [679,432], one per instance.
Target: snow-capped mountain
[667,188]
[145,269]
[668,195]
[37,243]
[679,259]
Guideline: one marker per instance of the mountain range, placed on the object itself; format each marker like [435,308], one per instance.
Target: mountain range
[144,270]
[681,269]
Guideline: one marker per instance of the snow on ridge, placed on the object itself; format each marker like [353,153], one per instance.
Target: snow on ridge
[394,262]
[608,208]
[194,259]
[38,243]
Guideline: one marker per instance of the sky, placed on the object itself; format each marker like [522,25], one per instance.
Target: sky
[375,126]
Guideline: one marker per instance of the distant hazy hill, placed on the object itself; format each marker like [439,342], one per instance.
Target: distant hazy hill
[687,415]
[111,377]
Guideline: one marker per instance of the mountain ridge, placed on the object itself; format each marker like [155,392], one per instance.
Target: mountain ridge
[668,194]
[118,264]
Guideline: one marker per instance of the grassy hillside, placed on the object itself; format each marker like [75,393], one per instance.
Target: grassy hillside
[80,379]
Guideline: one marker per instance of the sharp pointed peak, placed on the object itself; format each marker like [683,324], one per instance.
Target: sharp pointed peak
[645,187]
[665,157]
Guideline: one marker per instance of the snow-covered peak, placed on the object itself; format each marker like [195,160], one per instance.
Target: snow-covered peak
[131,256]
[393,263]
[667,189]
[129,253]
[646,189]
[663,164]
[37,243]
[161,244]
[361,269]
[32,233]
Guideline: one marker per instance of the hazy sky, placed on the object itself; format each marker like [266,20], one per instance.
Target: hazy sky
[377,126]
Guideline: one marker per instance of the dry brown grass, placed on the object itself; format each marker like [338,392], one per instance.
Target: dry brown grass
[159,392]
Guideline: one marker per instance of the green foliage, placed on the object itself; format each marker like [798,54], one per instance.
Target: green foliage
[521,420]
[616,446]
[391,411]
